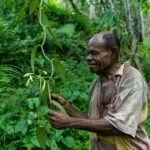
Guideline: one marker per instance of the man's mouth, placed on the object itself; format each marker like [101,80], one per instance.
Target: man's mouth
[92,64]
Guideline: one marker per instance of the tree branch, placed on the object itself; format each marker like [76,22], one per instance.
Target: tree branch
[74,7]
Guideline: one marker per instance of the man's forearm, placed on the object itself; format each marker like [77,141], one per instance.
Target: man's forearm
[101,126]
[74,112]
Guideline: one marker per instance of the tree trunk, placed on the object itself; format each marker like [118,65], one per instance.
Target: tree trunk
[107,5]
[140,22]
[63,4]
[126,7]
[138,29]
[74,6]
[92,13]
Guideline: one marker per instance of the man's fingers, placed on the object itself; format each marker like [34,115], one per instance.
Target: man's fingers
[58,98]
[52,116]
[52,113]
[51,119]
[57,120]
[53,106]
[55,96]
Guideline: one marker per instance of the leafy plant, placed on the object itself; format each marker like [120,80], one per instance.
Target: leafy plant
[23,110]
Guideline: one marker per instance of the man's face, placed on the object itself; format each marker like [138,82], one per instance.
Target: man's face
[99,58]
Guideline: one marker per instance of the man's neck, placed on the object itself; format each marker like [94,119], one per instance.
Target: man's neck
[110,72]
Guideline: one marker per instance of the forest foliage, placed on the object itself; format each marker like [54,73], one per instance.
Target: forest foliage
[43,50]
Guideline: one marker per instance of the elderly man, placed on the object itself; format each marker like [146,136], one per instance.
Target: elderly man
[118,101]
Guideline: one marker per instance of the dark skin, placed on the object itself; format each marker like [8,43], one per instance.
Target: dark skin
[102,62]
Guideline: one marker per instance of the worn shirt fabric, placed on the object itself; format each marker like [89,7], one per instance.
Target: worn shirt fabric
[127,112]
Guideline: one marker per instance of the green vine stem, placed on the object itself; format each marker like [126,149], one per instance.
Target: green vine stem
[44,39]
[42,47]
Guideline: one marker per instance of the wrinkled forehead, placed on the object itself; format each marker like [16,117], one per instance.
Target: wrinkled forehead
[97,40]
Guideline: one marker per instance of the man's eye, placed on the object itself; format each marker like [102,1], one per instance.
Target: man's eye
[94,53]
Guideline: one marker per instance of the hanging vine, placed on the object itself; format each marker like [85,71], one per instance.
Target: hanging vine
[44,78]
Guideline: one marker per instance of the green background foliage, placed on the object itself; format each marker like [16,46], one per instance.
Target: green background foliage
[23,110]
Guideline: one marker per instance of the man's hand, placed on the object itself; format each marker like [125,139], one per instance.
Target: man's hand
[59,120]
[59,99]
[69,108]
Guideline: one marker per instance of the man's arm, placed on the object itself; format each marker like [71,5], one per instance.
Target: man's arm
[101,126]
[69,108]
[74,112]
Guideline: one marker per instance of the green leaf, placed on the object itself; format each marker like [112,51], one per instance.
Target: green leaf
[59,106]
[5,79]
[21,126]
[58,134]
[30,103]
[27,141]
[46,23]
[68,29]
[28,82]
[41,135]
[33,54]
[12,70]
[9,129]
[59,68]
[33,102]
[44,86]
[53,36]
[27,74]
[35,141]
[34,6]
[45,91]
[52,144]
[22,11]
[82,2]
[68,141]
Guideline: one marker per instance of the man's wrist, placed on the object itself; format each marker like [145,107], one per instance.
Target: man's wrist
[77,123]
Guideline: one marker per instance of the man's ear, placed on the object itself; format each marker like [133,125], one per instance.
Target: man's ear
[115,51]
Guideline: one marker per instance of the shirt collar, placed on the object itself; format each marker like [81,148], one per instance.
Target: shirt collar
[120,70]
